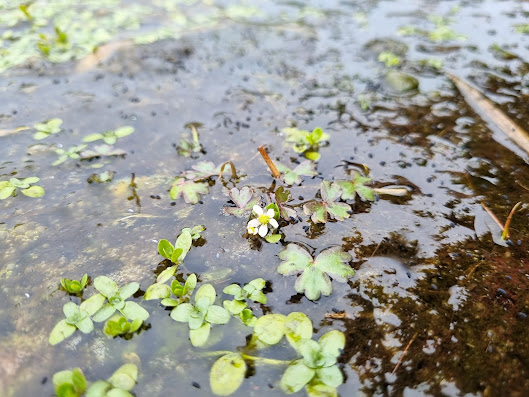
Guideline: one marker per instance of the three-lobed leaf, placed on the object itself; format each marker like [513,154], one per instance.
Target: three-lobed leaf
[321,210]
[244,200]
[293,177]
[189,189]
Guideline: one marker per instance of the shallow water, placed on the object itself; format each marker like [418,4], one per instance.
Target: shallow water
[425,283]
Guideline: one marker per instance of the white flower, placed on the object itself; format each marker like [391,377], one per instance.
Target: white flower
[260,224]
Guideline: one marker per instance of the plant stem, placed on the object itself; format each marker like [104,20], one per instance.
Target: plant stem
[269,162]
[233,170]
[505,233]
[195,134]
[263,360]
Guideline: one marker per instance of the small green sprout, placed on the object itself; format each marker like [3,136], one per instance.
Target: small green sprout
[318,366]
[306,142]
[195,231]
[118,325]
[47,128]
[293,177]
[77,317]
[65,154]
[328,206]
[201,315]
[110,137]
[73,286]
[69,383]
[389,59]
[160,290]
[314,279]
[188,148]
[8,188]
[238,306]
[177,252]
[117,300]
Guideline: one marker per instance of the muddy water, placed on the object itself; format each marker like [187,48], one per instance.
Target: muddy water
[432,309]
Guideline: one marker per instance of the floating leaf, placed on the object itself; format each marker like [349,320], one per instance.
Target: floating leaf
[293,177]
[102,151]
[157,291]
[296,376]
[314,279]
[270,328]
[202,170]
[283,196]
[110,137]
[33,191]
[244,200]
[71,153]
[298,327]
[273,238]
[320,210]
[227,374]
[8,188]
[318,389]
[47,128]
[125,377]
[189,189]
[356,187]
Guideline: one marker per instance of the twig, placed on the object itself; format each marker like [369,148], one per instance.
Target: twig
[505,233]
[404,352]
[493,216]
[269,162]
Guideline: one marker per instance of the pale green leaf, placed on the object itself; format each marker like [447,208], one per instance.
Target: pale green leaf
[133,311]
[217,315]
[6,192]
[189,189]
[182,312]
[60,332]
[296,376]
[123,131]
[273,238]
[128,290]
[157,291]
[106,286]
[85,325]
[92,137]
[331,376]
[70,309]
[318,389]
[166,274]
[295,259]
[298,327]
[184,242]
[270,328]
[208,291]
[98,389]
[258,283]
[234,307]
[125,377]
[235,290]
[313,283]
[93,304]
[227,374]
[333,262]
[199,337]
[104,313]
[332,344]
[165,248]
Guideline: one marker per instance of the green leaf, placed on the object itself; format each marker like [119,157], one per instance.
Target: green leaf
[93,304]
[106,286]
[312,155]
[199,337]
[182,312]
[133,311]
[6,191]
[258,283]
[184,242]
[331,376]
[248,318]
[190,284]
[332,344]
[84,280]
[258,296]
[195,231]
[244,200]
[356,187]
[293,177]
[235,290]
[217,315]
[31,180]
[208,291]
[227,374]
[296,376]
[157,291]
[85,325]
[176,256]
[202,170]
[40,135]
[189,189]
[270,328]
[104,313]
[273,238]
[165,248]
[170,302]
[314,281]
[298,327]
[318,389]
[33,191]
[125,377]
[166,274]
[234,307]
[98,389]
[123,131]
[330,192]
[128,290]
[60,332]
[275,207]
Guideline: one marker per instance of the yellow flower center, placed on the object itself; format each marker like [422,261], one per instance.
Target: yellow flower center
[264,219]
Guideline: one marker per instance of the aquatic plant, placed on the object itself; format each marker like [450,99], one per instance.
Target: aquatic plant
[74,286]
[252,291]
[189,189]
[71,153]
[77,318]
[244,200]
[201,315]
[118,325]
[356,187]
[47,128]
[293,177]
[306,142]
[389,59]
[263,221]
[320,210]
[117,300]
[177,252]
[9,188]
[72,383]
[314,279]
[110,137]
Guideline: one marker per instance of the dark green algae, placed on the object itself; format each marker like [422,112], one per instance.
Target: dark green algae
[423,280]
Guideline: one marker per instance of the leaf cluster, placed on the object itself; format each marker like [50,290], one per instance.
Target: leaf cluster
[244,200]
[72,383]
[8,188]
[45,129]
[252,291]
[177,252]
[306,142]
[110,137]
[119,325]
[328,206]
[74,286]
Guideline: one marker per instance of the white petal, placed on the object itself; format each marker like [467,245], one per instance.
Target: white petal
[271,213]
[258,210]
[263,229]
[274,223]
[254,223]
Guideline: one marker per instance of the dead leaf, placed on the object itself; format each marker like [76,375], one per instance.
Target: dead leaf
[101,54]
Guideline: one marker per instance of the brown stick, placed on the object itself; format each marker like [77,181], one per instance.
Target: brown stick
[505,234]
[404,352]
[269,162]
[489,211]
